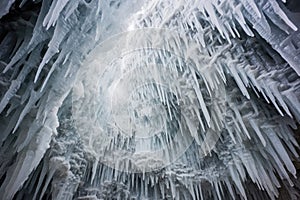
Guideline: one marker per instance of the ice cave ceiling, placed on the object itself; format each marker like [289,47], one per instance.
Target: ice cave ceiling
[149,99]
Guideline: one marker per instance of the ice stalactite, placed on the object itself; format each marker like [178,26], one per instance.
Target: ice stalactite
[153,99]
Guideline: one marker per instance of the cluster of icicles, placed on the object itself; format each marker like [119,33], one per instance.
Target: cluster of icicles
[154,99]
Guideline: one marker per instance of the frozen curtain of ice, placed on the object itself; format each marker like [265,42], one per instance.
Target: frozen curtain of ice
[149,99]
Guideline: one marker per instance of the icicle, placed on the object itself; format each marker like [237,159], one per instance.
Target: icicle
[257,131]
[193,84]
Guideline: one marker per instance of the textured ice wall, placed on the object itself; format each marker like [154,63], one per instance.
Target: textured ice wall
[245,52]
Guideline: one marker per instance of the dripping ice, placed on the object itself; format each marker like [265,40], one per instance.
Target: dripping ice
[208,111]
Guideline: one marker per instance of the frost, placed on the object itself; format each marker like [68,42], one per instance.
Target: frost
[153,99]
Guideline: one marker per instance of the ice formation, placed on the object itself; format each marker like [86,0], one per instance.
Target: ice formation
[149,99]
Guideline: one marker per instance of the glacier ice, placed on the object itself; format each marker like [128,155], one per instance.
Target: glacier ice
[153,99]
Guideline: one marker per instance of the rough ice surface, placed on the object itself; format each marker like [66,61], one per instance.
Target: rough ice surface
[149,99]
